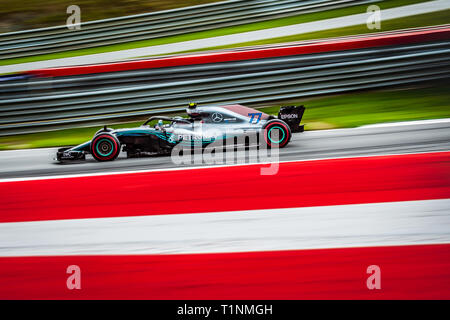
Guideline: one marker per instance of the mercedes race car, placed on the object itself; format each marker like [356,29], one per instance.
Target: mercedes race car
[204,125]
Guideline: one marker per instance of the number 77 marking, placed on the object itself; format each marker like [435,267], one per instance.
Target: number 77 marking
[259,114]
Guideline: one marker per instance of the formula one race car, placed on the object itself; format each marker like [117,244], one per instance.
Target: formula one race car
[204,125]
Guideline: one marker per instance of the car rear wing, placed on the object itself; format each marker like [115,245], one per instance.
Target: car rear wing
[292,115]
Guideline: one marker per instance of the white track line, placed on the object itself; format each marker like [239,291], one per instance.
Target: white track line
[405,123]
[351,20]
[376,224]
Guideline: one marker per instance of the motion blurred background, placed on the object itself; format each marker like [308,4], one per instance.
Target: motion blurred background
[22,15]
[339,87]
[309,231]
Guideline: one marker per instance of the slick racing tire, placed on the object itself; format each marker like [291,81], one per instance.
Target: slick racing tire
[276,133]
[105,147]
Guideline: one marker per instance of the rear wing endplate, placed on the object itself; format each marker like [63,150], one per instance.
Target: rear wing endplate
[292,115]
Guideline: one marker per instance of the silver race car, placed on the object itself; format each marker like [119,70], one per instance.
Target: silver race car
[203,126]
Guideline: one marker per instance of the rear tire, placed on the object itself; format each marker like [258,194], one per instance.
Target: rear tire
[105,147]
[273,128]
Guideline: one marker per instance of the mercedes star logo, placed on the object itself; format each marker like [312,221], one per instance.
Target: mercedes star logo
[216,117]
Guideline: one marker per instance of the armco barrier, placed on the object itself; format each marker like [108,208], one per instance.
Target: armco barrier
[157,25]
[307,47]
[63,97]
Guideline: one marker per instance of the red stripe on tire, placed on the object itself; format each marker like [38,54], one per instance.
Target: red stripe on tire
[109,138]
[280,124]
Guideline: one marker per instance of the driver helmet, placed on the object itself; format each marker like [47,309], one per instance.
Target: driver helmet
[159,125]
[192,109]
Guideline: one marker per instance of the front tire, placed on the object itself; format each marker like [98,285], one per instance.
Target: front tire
[276,133]
[105,147]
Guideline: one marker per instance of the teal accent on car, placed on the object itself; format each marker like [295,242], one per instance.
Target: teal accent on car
[83,147]
[101,153]
[130,132]
[269,135]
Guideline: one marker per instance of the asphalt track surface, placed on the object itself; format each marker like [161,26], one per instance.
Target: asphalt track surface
[384,139]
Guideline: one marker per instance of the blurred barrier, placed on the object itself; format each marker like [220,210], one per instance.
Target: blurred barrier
[259,52]
[157,24]
[39,104]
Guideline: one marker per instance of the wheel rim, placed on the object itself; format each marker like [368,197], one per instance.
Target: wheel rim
[104,147]
[269,134]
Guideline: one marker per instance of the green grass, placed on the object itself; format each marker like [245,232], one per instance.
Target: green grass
[341,111]
[357,109]
[422,20]
[216,32]
[54,138]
